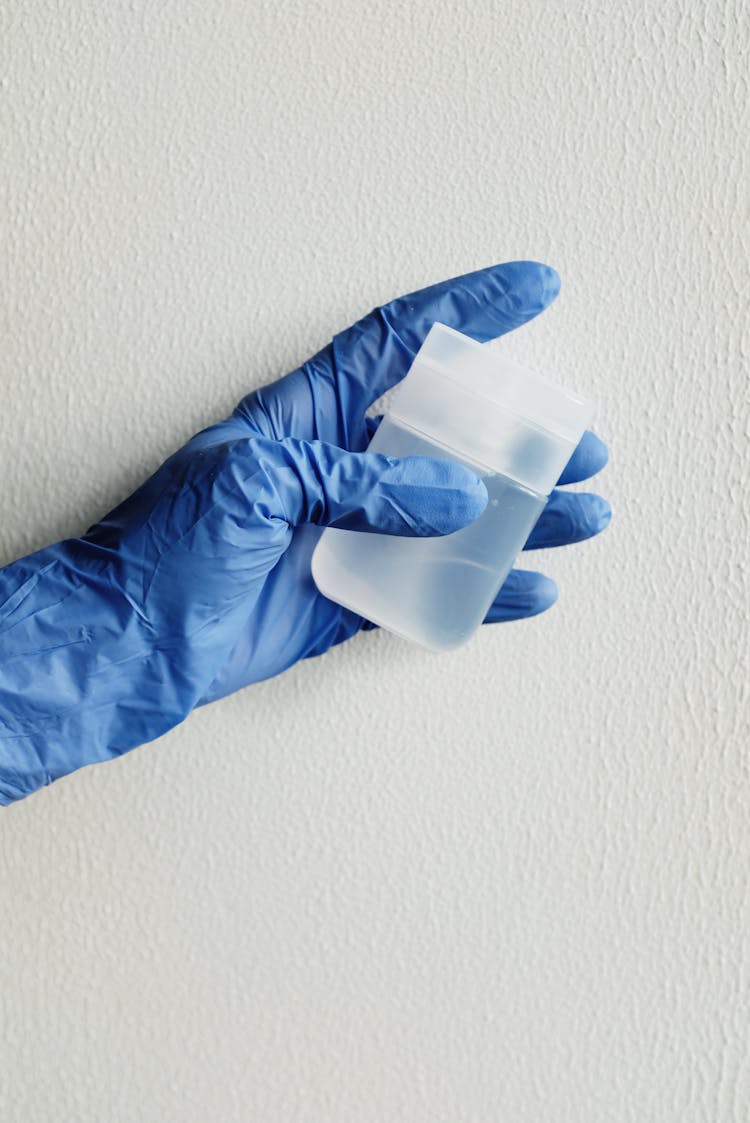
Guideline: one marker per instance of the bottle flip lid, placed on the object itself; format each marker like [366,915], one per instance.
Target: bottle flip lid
[480,369]
[471,399]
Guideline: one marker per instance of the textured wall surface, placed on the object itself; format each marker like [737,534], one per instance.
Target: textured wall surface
[511,883]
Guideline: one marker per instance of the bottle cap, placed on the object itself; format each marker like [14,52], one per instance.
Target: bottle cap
[490,411]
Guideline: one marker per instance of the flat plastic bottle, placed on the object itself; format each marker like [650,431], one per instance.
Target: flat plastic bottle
[463,401]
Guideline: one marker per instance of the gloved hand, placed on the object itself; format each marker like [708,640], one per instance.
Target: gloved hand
[199,583]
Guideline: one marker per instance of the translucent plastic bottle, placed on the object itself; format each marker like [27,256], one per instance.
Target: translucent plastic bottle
[461,400]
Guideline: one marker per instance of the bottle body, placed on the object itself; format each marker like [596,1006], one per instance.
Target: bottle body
[435,591]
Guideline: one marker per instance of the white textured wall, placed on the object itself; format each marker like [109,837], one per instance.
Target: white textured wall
[512,883]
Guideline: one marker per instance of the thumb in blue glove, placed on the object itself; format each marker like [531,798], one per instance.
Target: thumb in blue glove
[142,621]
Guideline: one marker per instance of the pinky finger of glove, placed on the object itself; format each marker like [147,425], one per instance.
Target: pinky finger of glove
[524,593]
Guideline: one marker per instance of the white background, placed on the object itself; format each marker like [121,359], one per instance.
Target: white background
[510,883]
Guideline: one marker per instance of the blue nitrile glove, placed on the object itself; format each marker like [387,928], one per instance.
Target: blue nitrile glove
[200,582]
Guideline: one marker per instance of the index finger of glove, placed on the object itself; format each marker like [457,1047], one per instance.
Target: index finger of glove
[375,353]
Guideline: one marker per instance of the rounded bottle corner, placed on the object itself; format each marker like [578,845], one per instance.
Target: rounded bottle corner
[316,572]
[454,645]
